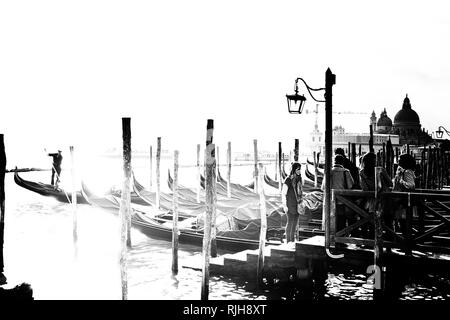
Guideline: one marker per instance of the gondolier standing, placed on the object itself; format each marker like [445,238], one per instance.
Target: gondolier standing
[56,167]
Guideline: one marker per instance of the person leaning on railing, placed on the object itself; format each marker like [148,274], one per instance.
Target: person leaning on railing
[367,181]
[341,179]
[404,181]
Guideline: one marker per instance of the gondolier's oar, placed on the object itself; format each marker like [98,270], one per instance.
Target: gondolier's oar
[57,179]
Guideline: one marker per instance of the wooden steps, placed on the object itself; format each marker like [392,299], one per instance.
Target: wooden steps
[244,263]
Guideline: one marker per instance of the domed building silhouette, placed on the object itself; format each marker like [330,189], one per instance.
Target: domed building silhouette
[406,125]
[384,124]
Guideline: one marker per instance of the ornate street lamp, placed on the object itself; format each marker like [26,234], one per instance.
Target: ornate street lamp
[295,101]
[295,105]
[439,132]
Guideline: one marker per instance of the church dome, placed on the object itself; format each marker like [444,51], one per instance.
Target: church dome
[384,120]
[406,116]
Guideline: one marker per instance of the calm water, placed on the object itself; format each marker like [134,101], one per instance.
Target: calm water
[39,249]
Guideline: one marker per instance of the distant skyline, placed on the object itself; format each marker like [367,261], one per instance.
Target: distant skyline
[69,71]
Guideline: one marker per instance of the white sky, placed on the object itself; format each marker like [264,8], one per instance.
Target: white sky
[70,70]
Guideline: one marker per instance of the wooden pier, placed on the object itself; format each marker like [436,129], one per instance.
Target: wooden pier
[422,248]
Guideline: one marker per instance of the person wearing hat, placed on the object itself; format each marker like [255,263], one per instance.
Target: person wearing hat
[56,167]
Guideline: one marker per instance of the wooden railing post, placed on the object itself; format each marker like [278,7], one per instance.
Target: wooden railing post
[408,227]
[378,243]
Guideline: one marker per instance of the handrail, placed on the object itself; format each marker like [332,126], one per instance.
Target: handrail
[425,200]
[435,194]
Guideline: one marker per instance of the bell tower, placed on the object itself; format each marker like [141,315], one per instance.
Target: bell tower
[373,121]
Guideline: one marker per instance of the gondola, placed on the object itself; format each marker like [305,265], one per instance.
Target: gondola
[320,165]
[246,205]
[311,176]
[308,185]
[106,201]
[158,224]
[270,181]
[246,189]
[48,190]
[161,227]
[221,190]
[185,207]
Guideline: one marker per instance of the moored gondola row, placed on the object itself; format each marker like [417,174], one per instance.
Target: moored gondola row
[238,217]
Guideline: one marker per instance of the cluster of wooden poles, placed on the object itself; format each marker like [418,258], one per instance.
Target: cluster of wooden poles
[209,236]
[210,167]
[432,164]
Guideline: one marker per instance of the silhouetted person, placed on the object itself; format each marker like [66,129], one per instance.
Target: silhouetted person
[56,167]
[404,181]
[292,195]
[341,179]
[354,171]
[367,179]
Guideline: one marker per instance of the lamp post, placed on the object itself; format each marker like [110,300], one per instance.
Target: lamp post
[295,105]
[439,132]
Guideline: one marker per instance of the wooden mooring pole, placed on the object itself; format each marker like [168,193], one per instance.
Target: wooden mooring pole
[209,140]
[198,173]
[255,173]
[125,205]
[2,206]
[349,151]
[210,188]
[263,230]
[175,215]
[316,171]
[280,181]
[296,150]
[74,203]
[217,163]
[276,166]
[158,173]
[151,168]
[371,139]
[229,170]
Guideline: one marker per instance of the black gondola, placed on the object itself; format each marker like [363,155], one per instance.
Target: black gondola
[47,190]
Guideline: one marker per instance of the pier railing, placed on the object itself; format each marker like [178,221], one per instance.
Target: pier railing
[424,225]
